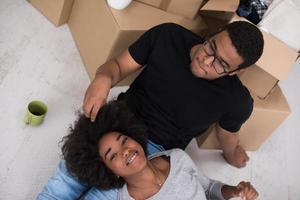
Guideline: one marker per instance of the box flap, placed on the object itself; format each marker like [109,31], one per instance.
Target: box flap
[185,8]
[258,81]
[276,102]
[138,16]
[57,11]
[221,5]
[155,3]
[224,10]
[86,23]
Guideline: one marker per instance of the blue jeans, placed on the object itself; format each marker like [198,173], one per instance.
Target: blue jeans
[64,186]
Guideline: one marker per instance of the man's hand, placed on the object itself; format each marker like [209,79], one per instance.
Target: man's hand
[108,75]
[238,158]
[233,153]
[95,96]
[244,190]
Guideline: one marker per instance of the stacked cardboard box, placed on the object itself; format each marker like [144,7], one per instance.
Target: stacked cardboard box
[101,32]
[270,106]
[57,11]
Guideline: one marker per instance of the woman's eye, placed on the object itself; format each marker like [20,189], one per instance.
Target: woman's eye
[124,140]
[113,156]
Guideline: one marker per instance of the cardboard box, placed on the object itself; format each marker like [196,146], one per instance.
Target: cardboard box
[267,115]
[277,58]
[185,8]
[57,11]
[224,10]
[101,32]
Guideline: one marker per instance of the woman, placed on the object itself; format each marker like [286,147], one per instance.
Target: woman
[111,153]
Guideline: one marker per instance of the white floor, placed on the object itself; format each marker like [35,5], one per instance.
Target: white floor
[39,61]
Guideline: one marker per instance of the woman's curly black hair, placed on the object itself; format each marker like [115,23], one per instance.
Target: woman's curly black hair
[80,146]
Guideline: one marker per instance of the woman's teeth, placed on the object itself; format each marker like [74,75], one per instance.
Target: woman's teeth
[131,157]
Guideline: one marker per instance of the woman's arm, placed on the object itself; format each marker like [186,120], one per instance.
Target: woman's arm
[216,190]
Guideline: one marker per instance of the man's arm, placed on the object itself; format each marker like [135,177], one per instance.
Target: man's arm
[107,76]
[234,154]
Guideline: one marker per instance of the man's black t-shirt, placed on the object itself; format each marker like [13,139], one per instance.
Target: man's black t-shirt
[175,105]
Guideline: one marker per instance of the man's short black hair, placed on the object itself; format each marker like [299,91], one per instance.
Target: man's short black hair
[248,41]
[80,146]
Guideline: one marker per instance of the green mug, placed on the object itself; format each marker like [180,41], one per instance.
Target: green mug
[36,112]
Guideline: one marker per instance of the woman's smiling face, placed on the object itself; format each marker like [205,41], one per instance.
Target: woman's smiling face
[123,155]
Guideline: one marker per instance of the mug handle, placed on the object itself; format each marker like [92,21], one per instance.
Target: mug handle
[27,119]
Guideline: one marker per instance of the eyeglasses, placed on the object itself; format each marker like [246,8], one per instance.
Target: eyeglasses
[216,63]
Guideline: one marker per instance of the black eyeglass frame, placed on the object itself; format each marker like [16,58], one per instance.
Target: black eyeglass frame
[216,57]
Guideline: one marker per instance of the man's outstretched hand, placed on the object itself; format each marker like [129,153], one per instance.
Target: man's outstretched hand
[238,158]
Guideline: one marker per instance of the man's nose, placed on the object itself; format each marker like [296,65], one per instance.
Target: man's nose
[208,60]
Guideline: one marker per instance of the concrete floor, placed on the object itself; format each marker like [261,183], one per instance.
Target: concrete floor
[40,61]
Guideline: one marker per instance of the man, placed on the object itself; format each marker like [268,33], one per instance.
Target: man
[187,85]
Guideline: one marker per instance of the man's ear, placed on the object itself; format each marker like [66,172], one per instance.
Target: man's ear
[237,72]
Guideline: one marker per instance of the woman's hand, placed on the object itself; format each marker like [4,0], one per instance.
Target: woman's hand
[244,190]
